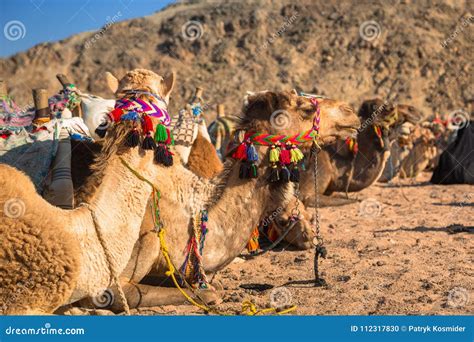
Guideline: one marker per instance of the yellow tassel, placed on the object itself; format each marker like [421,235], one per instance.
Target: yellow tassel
[274,154]
[296,155]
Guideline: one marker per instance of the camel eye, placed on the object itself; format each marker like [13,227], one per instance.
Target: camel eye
[308,111]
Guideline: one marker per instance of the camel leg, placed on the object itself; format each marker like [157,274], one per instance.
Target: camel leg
[142,296]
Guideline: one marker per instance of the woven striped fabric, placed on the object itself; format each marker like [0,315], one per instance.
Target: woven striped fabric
[157,110]
[270,139]
[184,127]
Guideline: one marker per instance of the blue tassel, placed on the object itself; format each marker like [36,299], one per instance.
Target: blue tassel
[130,116]
[252,154]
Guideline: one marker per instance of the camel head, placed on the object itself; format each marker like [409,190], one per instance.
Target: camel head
[286,112]
[408,113]
[131,128]
[377,112]
[390,118]
[141,80]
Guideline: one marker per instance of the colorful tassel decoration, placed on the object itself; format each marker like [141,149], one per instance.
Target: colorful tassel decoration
[296,154]
[285,174]
[244,171]
[295,175]
[252,154]
[161,134]
[274,174]
[241,152]
[148,143]
[274,154]
[253,244]
[253,171]
[163,139]
[133,138]
[285,156]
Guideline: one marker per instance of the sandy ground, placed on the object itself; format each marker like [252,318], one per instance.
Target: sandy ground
[394,252]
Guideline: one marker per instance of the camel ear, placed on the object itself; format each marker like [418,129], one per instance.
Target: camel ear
[167,84]
[112,82]
[261,105]
[294,92]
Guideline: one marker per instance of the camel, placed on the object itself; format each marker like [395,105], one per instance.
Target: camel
[422,153]
[53,256]
[339,169]
[418,149]
[71,271]
[235,204]
[342,170]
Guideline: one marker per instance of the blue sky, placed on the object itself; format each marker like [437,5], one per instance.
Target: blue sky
[25,23]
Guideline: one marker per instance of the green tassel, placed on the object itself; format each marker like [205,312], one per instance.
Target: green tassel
[161,135]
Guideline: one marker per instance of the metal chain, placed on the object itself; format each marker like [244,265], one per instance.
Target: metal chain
[315,151]
[319,249]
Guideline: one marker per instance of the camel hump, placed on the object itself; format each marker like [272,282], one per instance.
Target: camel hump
[12,179]
[203,159]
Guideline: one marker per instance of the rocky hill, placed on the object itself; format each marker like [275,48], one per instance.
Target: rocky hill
[418,51]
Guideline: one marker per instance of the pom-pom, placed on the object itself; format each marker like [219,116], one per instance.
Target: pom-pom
[285,174]
[244,171]
[132,139]
[147,124]
[241,152]
[285,156]
[274,175]
[274,154]
[253,171]
[148,143]
[116,114]
[252,154]
[161,133]
[296,154]
[129,116]
[295,175]
[163,155]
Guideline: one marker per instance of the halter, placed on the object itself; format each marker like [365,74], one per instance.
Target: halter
[284,154]
[139,111]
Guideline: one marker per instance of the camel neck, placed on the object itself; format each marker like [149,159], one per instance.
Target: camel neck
[119,204]
[233,218]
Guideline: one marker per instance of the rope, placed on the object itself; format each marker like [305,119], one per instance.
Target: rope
[108,256]
[248,308]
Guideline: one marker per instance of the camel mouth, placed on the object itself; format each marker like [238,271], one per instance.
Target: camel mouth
[347,131]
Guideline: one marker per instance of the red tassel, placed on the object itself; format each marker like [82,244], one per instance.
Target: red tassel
[285,156]
[168,140]
[116,114]
[147,124]
[241,152]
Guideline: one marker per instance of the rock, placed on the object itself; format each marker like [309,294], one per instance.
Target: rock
[343,278]
[300,259]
